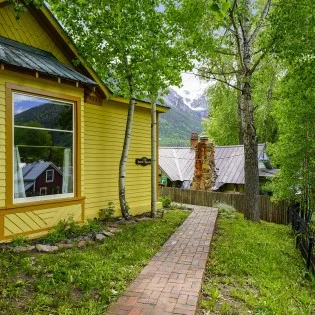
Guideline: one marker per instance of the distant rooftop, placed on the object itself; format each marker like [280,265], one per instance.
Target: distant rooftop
[32,170]
[179,163]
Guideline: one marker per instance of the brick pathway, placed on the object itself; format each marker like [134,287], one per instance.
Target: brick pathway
[171,282]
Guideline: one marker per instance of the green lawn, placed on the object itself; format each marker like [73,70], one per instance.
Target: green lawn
[81,281]
[255,269]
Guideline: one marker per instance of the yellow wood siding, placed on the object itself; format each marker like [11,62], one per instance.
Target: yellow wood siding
[27,30]
[32,221]
[104,134]
[27,222]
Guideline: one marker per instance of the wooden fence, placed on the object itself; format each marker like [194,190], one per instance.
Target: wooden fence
[269,211]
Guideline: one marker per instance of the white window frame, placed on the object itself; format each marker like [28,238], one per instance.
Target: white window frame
[47,197]
[44,189]
[52,175]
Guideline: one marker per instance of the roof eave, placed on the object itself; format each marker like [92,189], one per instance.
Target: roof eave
[66,41]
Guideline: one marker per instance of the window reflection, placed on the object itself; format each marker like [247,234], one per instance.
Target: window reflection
[43,147]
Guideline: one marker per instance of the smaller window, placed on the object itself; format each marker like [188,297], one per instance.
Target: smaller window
[49,176]
[43,191]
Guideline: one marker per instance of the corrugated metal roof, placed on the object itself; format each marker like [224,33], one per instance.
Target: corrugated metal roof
[229,163]
[179,163]
[27,57]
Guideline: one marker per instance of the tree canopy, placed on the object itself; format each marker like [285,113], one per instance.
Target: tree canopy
[293,30]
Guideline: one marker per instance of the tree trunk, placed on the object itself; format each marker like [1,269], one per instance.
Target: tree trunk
[239,106]
[251,157]
[153,157]
[124,156]
[251,205]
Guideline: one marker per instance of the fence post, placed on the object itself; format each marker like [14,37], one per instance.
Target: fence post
[310,252]
[297,236]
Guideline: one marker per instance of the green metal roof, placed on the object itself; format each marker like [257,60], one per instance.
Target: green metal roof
[16,54]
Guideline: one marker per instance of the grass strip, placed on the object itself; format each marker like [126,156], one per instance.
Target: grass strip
[81,280]
[255,269]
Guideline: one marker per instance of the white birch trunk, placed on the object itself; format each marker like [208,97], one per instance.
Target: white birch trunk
[124,156]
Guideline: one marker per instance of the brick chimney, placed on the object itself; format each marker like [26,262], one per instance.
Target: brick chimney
[193,140]
[204,174]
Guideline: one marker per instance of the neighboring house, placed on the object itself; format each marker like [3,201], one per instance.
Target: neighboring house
[53,111]
[41,179]
[177,166]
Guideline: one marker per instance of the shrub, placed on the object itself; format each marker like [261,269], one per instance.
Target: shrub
[225,211]
[166,201]
[19,241]
[66,228]
[178,206]
[91,226]
[107,213]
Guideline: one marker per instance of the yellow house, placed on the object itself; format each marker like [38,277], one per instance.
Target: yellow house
[61,131]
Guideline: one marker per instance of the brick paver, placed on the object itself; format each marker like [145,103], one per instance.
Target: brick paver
[171,282]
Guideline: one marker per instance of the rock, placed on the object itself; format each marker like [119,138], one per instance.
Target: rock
[65,245]
[27,248]
[68,241]
[114,230]
[5,246]
[112,224]
[100,237]
[86,238]
[46,248]
[81,243]
[108,234]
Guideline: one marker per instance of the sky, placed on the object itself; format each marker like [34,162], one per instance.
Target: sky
[192,84]
[24,102]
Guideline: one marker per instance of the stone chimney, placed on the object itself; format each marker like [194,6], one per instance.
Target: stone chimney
[193,140]
[204,174]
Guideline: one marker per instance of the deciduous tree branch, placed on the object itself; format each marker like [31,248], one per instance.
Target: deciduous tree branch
[261,20]
[237,38]
[217,79]
[260,58]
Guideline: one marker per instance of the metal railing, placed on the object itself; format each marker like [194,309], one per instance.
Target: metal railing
[305,238]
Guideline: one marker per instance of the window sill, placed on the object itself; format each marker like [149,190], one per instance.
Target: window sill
[38,205]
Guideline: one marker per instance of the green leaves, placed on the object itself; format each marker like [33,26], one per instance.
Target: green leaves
[20,7]
[293,34]
[107,32]
[220,8]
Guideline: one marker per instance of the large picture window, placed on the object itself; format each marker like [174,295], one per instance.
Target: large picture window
[43,145]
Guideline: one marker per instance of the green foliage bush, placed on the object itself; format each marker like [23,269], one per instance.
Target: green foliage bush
[67,229]
[225,210]
[178,206]
[166,201]
[107,213]
[19,241]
